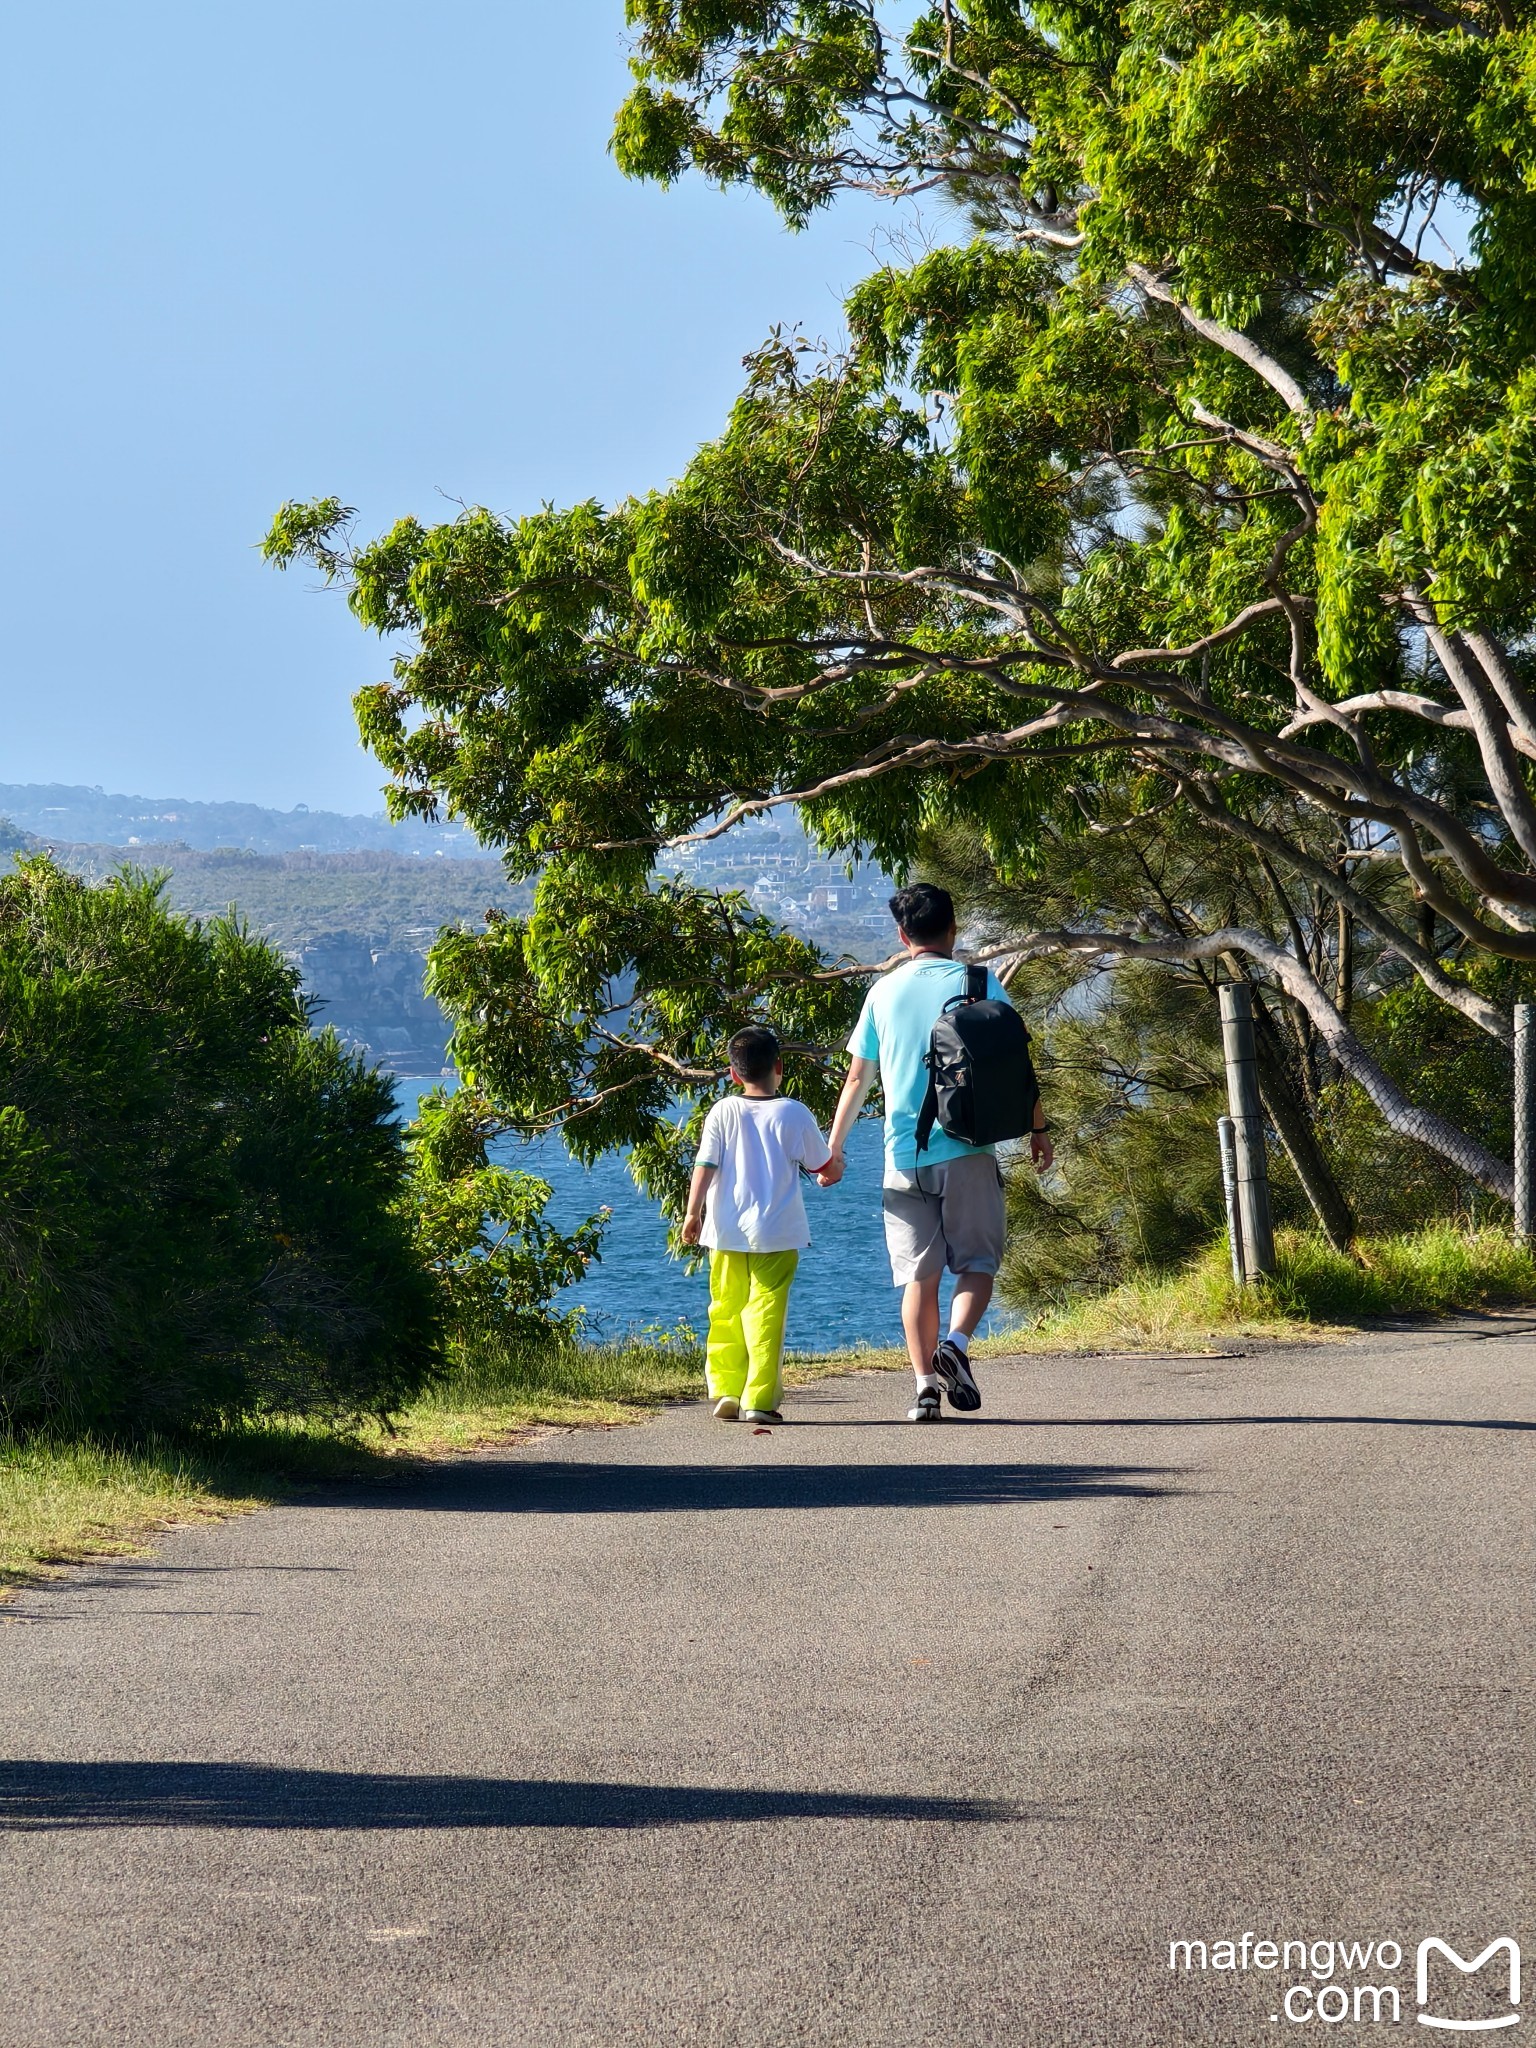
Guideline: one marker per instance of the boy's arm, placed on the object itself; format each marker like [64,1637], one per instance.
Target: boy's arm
[862,1075]
[698,1188]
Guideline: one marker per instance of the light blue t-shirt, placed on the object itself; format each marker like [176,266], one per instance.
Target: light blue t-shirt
[899,1013]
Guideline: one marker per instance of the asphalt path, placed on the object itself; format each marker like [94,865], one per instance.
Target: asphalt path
[845,1733]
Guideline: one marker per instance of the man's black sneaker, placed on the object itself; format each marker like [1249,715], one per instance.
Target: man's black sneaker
[927,1407]
[954,1369]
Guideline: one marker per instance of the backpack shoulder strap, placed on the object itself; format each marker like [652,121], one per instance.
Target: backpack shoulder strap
[975,982]
[928,1115]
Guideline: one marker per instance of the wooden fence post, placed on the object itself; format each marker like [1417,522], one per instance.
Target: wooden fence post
[1258,1236]
[1525,1110]
[1226,1133]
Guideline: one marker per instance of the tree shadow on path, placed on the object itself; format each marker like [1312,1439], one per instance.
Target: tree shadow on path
[225,1795]
[1239,1421]
[549,1487]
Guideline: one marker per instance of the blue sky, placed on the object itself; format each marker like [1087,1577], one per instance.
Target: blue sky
[253,254]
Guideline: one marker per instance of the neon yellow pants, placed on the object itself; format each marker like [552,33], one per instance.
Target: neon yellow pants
[748,1302]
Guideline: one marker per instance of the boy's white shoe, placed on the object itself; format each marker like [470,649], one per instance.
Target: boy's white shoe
[727,1408]
[761,1415]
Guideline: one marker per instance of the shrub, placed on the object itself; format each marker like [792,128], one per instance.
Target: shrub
[479,1229]
[202,1203]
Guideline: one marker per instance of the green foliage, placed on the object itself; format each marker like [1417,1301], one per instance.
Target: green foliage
[1441,1059]
[1133,1073]
[1429,1271]
[604,1012]
[199,1198]
[1446,1064]
[1202,471]
[480,1229]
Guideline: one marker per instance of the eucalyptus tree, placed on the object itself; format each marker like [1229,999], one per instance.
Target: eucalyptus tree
[1202,471]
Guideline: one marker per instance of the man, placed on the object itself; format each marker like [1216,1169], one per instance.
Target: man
[945,1208]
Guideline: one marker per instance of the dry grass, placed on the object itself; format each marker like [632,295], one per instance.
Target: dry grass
[1317,1294]
[61,1503]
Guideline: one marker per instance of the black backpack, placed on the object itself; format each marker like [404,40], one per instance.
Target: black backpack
[981,1079]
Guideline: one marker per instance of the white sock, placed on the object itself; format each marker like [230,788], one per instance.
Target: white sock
[960,1341]
[929,1383]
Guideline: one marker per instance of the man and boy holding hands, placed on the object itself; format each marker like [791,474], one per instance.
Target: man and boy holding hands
[943,1205]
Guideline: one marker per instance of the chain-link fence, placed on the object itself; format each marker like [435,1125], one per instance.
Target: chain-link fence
[1397,1168]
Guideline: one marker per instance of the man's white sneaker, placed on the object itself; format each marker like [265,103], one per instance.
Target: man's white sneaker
[954,1369]
[761,1415]
[927,1407]
[727,1408]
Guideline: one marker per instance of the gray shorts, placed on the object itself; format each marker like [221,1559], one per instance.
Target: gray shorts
[949,1214]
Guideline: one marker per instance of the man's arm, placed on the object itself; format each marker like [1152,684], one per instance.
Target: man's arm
[1041,1150]
[862,1075]
[698,1188]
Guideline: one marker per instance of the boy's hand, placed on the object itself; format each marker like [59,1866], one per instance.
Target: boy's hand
[829,1175]
[1041,1150]
[692,1225]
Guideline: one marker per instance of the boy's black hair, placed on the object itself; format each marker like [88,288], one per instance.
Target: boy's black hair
[924,911]
[754,1054]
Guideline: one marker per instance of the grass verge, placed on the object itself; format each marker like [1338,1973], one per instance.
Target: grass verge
[64,1501]
[1317,1293]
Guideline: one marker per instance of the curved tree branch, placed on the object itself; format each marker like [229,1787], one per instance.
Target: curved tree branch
[1476,1009]
[1489,726]
[1436,1132]
[1228,339]
[1410,702]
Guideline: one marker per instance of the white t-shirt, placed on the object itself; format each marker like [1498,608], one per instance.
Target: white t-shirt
[758,1143]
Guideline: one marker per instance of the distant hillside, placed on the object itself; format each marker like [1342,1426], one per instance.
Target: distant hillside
[393,902]
[357,924]
[57,810]
[358,916]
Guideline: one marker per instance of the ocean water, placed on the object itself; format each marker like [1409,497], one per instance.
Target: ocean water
[842,1294]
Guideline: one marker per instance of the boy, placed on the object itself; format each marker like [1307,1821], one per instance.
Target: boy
[744,1204]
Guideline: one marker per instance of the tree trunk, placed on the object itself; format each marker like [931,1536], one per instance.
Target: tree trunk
[1294,1129]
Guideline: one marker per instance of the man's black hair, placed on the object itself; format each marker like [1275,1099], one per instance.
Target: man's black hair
[924,912]
[754,1054]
